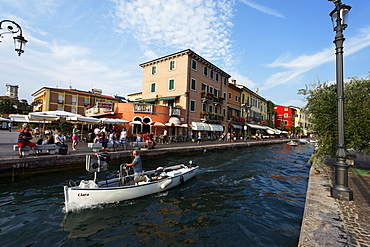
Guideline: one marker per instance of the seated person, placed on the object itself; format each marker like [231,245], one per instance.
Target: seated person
[60,142]
[147,140]
[139,137]
[24,138]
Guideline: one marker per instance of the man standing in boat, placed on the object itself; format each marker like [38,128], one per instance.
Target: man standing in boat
[136,165]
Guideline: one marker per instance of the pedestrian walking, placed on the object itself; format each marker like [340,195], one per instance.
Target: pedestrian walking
[75,136]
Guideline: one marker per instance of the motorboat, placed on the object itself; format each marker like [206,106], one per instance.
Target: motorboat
[292,143]
[302,141]
[124,187]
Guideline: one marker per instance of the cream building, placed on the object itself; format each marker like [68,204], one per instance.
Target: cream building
[188,81]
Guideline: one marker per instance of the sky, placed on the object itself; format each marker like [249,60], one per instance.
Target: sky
[277,47]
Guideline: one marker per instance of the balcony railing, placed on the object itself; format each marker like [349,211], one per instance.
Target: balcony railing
[174,111]
[143,108]
[60,101]
[211,117]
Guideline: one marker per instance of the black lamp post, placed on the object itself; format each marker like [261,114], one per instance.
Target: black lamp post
[19,41]
[340,190]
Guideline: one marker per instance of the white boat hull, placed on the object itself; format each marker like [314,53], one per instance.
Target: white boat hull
[77,197]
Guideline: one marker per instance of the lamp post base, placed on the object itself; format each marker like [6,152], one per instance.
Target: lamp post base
[344,194]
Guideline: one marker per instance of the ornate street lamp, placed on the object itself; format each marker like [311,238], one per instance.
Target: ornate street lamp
[340,190]
[19,41]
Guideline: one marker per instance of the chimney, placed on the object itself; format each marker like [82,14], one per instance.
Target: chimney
[257,90]
[233,81]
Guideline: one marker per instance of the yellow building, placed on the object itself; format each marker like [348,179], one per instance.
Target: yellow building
[71,100]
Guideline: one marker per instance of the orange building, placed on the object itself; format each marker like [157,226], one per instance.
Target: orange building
[145,117]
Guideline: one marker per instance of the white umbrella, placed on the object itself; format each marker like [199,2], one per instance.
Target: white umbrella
[42,116]
[172,124]
[82,119]
[62,114]
[5,120]
[113,121]
[185,125]
[156,124]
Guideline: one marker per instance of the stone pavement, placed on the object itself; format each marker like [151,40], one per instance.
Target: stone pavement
[326,221]
[331,222]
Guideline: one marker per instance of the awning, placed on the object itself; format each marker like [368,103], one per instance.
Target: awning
[235,126]
[233,107]
[200,126]
[257,126]
[147,100]
[216,127]
[168,98]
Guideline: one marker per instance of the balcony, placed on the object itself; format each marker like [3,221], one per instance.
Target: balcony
[211,117]
[236,119]
[147,108]
[206,96]
[218,100]
[60,101]
[174,111]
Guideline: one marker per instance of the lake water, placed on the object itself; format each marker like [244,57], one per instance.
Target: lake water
[242,197]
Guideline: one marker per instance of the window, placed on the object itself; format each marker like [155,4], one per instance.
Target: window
[73,110]
[193,84]
[230,96]
[204,87]
[172,65]
[210,108]
[285,115]
[237,98]
[154,70]
[224,111]
[217,78]
[225,81]
[86,102]
[152,87]
[205,71]
[211,74]
[204,107]
[194,64]
[171,84]
[60,99]
[73,100]
[217,92]
[224,95]
[211,89]
[192,105]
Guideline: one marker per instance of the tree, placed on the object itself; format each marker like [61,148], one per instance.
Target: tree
[322,106]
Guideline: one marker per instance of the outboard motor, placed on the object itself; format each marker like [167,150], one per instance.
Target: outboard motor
[100,165]
[192,163]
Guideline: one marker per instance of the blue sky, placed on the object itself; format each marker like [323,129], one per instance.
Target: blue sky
[275,46]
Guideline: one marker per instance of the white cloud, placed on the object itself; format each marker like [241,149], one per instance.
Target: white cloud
[263,9]
[201,25]
[296,67]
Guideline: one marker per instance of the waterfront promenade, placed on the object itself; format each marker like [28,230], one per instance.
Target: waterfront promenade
[326,221]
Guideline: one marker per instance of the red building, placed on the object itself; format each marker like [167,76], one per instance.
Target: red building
[284,117]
